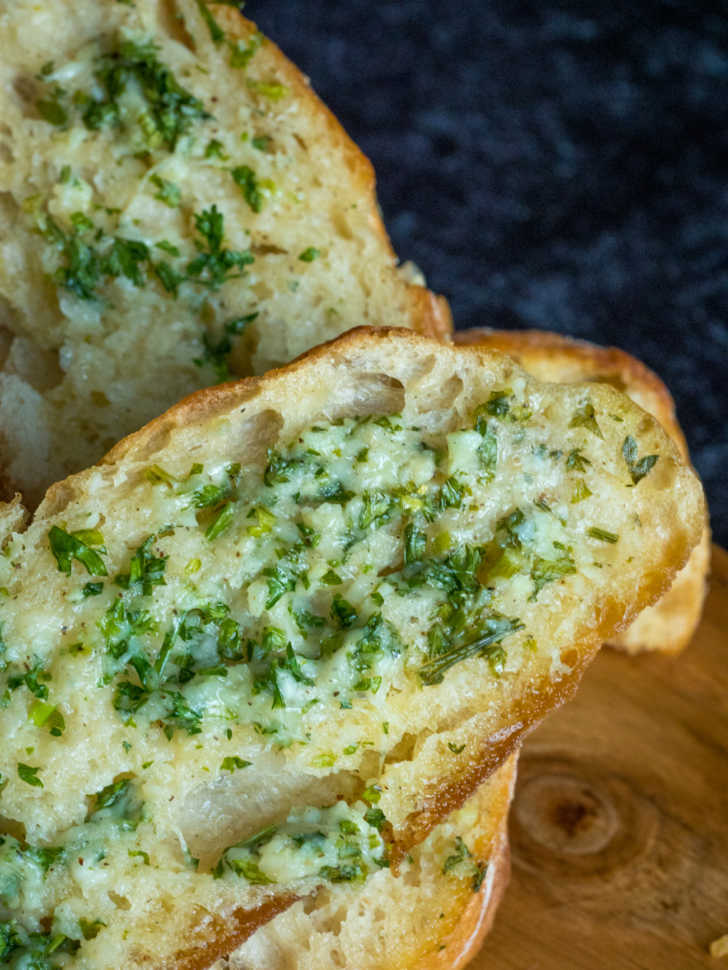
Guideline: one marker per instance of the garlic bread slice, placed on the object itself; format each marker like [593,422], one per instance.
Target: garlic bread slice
[279,634]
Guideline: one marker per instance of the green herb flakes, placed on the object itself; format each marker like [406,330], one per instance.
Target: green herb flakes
[638,468]
[170,109]
[241,53]
[51,110]
[168,192]
[585,417]
[43,714]
[246,180]
[215,265]
[269,89]
[29,774]
[234,763]
[602,535]
[77,545]
[217,34]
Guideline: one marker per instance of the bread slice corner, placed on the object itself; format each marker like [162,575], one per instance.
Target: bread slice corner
[668,625]
[367,574]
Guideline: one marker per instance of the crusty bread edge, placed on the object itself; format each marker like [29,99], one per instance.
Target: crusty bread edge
[687,594]
[593,359]
[476,920]
[225,936]
[430,310]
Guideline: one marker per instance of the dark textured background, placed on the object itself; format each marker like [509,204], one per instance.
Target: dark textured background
[560,166]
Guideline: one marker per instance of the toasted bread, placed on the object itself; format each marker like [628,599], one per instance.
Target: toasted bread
[176,206]
[250,660]
[432,916]
[669,624]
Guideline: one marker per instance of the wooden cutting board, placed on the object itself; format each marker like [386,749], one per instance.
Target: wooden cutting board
[619,827]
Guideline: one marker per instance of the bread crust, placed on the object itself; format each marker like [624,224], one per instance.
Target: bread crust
[429,312]
[373,371]
[668,625]
[223,936]
[476,921]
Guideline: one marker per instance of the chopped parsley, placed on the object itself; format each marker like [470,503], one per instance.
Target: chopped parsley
[309,255]
[215,149]
[118,801]
[43,714]
[217,34]
[145,570]
[575,461]
[585,417]
[601,534]
[638,468]
[493,629]
[51,110]
[170,109]
[269,89]
[169,193]
[580,491]
[77,545]
[215,265]
[545,570]
[343,612]
[241,54]
[234,763]
[245,179]
[460,854]
[29,774]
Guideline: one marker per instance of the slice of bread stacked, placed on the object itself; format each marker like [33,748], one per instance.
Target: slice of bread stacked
[176,206]
[320,608]
[433,915]
[669,625]
[266,668]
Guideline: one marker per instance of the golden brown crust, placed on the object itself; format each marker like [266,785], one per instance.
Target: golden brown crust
[226,936]
[427,920]
[459,948]
[464,940]
[201,405]
[570,360]
[669,624]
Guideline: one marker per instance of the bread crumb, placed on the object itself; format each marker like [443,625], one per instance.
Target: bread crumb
[719,947]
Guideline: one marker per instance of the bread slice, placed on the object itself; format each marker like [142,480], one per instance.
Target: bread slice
[279,634]
[669,624]
[176,206]
[432,916]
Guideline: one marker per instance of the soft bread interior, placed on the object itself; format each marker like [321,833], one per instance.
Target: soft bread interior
[443,617]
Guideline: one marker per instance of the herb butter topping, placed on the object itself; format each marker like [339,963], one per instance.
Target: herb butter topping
[278,607]
[172,194]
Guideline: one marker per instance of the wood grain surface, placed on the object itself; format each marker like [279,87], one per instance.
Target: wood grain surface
[619,828]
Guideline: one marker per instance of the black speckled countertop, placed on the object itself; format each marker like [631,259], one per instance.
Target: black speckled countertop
[561,166]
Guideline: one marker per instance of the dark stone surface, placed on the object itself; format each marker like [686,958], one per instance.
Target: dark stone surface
[560,166]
